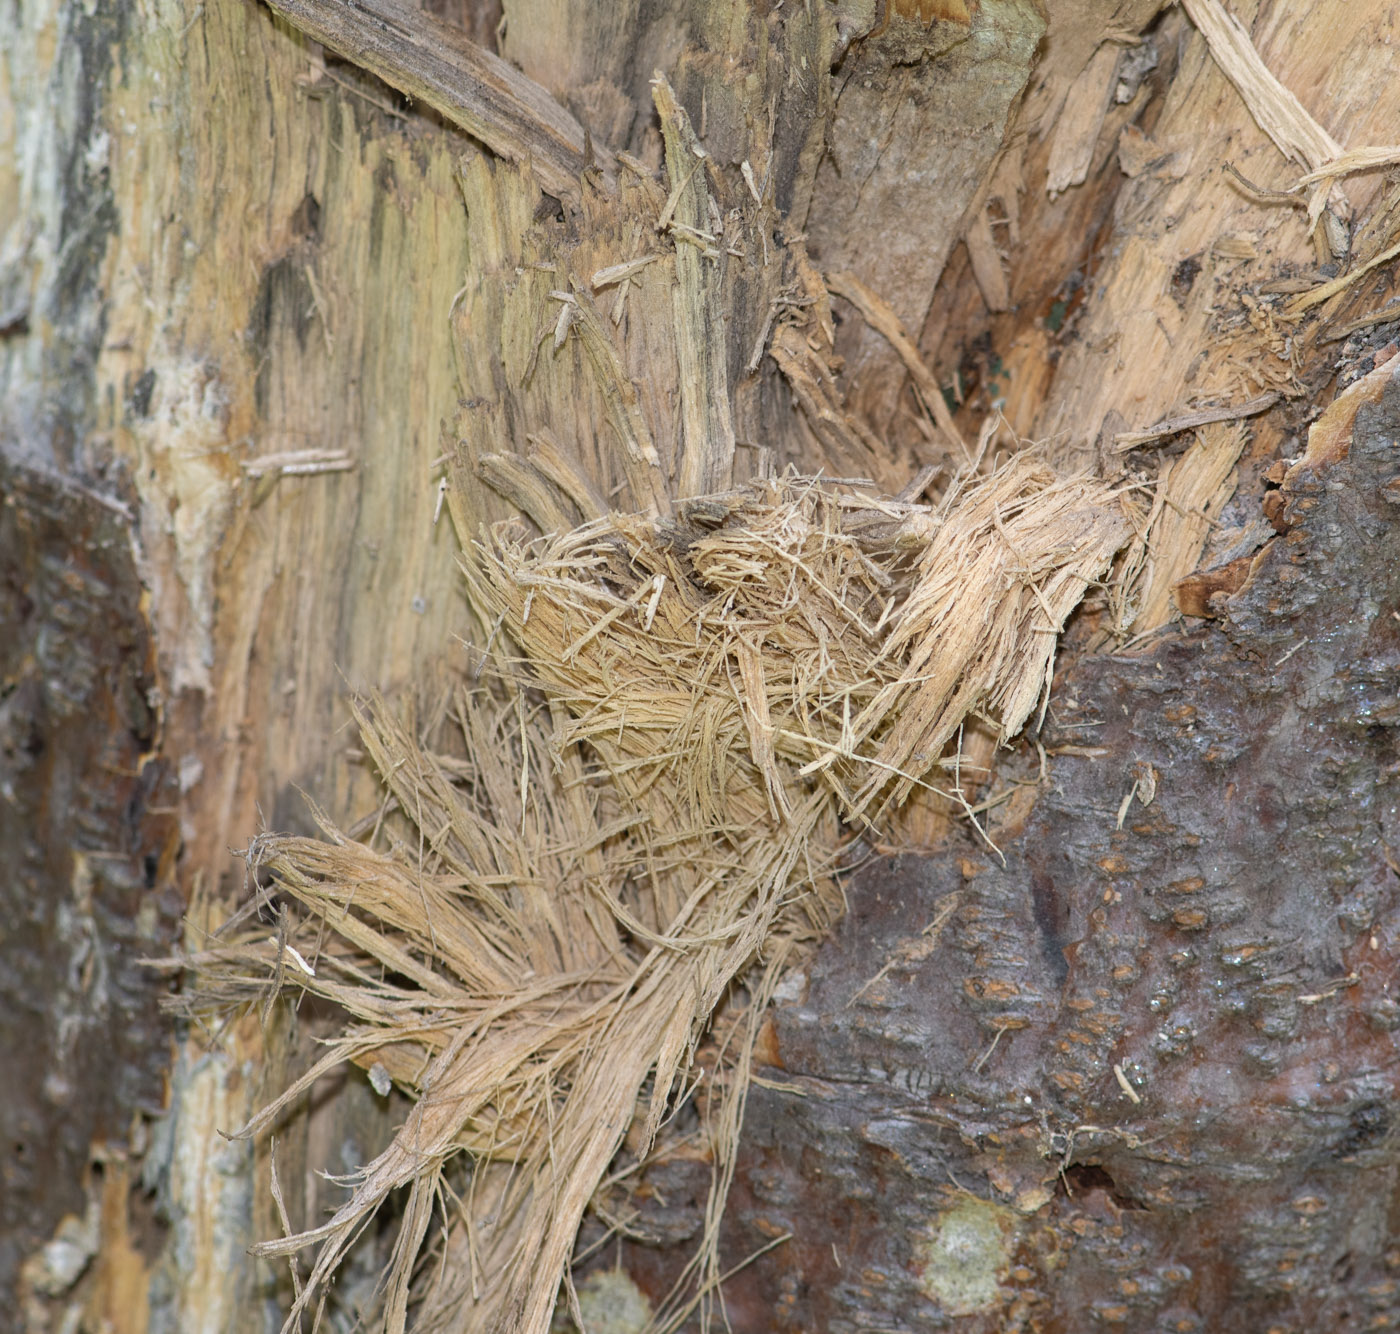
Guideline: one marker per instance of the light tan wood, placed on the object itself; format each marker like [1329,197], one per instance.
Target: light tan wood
[289,245]
[920,116]
[284,271]
[1170,325]
[432,62]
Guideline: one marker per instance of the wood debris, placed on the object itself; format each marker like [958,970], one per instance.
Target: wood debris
[1276,110]
[1186,502]
[651,798]
[700,680]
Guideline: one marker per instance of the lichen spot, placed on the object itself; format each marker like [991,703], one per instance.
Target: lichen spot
[964,1254]
[611,1303]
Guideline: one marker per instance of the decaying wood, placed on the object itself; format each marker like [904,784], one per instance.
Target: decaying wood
[1189,251]
[707,423]
[1195,593]
[1188,421]
[882,318]
[305,321]
[246,284]
[1274,107]
[87,822]
[727,687]
[922,109]
[429,61]
[1187,502]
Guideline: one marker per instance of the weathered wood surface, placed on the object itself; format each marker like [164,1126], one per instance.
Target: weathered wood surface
[88,825]
[920,113]
[226,255]
[1143,297]
[1182,226]
[433,62]
[267,273]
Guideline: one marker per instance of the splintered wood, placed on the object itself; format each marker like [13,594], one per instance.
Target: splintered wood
[656,787]
[1188,498]
[802,630]
[704,665]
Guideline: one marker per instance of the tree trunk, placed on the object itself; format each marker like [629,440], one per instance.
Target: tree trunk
[287,299]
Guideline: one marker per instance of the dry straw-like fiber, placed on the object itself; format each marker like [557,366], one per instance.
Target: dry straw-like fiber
[695,712]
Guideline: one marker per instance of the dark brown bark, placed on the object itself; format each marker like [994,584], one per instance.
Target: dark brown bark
[89,832]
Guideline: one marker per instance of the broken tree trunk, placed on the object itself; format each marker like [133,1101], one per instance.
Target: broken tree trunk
[279,295]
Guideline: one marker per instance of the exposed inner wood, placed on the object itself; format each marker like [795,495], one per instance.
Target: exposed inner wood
[430,61]
[299,297]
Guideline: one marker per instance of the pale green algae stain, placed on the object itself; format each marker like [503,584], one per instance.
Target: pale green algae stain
[610,1303]
[964,1255]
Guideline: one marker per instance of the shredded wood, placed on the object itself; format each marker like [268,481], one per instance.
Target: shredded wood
[650,798]
[1370,158]
[1275,109]
[1127,440]
[1188,498]
[839,634]
[1078,125]
[880,315]
[1326,291]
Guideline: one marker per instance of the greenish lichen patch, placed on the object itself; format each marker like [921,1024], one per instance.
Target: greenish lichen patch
[610,1303]
[966,1251]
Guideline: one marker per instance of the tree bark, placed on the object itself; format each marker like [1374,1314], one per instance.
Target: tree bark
[277,316]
